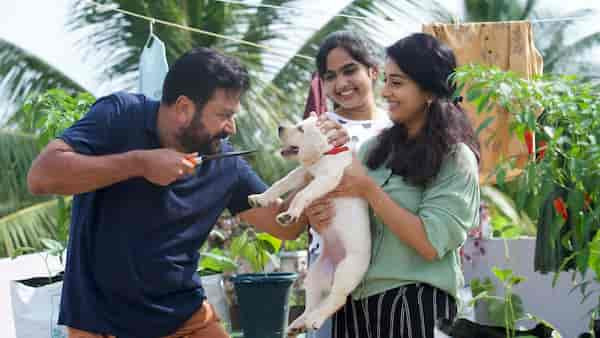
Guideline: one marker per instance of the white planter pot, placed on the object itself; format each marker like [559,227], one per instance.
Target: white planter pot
[213,286]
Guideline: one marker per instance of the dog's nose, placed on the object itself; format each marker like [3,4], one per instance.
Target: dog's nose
[280,130]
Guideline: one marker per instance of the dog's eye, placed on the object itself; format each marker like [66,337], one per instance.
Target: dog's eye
[301,129]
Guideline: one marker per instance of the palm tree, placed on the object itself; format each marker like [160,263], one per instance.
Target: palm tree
[561,56]
[278,90]
[279,79]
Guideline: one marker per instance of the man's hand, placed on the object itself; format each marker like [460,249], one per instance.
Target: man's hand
[164,166]
[336,133]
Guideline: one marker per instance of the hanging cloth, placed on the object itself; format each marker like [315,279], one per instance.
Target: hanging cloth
[153,67]
[508,45]
[316,100]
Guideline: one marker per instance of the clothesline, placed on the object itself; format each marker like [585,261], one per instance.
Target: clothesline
[113,7]
[305,9]
[108,7]
[293,9]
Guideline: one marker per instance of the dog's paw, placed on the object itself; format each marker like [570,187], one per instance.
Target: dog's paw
[314,320]
[297,327]
[262,200]
[285,218]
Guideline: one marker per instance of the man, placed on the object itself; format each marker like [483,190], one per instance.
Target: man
[141,210]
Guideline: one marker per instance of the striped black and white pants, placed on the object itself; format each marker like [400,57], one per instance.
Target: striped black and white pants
[404,312]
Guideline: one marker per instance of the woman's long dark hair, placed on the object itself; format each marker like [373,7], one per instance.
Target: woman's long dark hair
[429,63]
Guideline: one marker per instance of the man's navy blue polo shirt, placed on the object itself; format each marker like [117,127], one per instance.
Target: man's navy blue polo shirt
[133,246]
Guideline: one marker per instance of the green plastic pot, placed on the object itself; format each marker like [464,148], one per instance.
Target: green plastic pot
[264,303]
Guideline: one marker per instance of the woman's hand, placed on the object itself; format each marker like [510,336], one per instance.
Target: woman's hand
[320,213]
[355,183]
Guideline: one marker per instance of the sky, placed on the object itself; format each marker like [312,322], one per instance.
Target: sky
[39,27]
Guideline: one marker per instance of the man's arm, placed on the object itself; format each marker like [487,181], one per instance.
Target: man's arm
[60,170]
[264,219]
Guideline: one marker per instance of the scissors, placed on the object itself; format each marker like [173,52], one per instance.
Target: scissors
[198,160]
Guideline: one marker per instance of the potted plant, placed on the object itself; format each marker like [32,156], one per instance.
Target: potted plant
[250,280]
[504,312]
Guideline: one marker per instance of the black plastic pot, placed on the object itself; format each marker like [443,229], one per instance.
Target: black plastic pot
[263,301]
[463,328]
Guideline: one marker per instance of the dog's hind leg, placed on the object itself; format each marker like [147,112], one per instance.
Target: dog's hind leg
[348,275]
[317,283]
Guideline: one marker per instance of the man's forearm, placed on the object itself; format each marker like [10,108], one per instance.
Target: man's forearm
[60,171]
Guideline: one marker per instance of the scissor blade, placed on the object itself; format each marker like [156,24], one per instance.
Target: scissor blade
[223,155]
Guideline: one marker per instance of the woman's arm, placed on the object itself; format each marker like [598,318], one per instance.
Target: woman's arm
[407,226]
[449,207]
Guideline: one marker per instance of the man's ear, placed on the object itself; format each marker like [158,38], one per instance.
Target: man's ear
[184,110]
[314,144]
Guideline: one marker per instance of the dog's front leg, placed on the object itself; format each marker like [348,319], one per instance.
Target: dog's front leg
[318,187]
[291,181]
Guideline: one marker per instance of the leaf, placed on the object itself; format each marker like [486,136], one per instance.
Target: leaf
[55,248]
[25,227]
[502,274]
[486,123]
[269,242]
[217,261]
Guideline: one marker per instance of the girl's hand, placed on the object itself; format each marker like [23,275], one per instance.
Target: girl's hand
[336,133]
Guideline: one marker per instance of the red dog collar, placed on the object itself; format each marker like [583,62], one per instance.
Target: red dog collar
[336,150]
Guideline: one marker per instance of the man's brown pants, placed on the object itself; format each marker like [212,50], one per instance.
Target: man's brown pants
[204,323]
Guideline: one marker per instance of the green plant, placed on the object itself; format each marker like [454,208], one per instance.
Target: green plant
[248,252]
[558,117]
[506,310]
[30,223]
[506,220]
[298,244]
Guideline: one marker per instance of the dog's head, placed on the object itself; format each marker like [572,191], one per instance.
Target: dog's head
[304,141]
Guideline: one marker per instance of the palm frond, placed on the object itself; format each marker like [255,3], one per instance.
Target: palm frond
[499,10]
[17,151]
[23,74]
[578,47]
[381,17]
[528,10]
[25,227]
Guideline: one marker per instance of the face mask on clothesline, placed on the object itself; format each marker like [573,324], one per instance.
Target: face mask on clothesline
[153,68]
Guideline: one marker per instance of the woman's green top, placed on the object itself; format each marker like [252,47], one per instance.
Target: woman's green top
[448,207]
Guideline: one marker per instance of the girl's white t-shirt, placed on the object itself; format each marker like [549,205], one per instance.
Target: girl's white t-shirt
[359,131]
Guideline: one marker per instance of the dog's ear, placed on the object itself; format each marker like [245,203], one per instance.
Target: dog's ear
[313,145]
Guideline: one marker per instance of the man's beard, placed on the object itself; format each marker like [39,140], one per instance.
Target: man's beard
[197,139]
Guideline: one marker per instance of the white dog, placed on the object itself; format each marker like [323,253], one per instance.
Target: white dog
[346,242]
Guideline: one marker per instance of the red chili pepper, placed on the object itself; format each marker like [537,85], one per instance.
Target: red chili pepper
[561,208]
[587,200]
[542,150]
[529,141]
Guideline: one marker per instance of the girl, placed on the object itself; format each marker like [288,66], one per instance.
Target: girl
[348,70]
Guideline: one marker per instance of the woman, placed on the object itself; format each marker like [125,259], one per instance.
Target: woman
[348,70]
[420,178]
